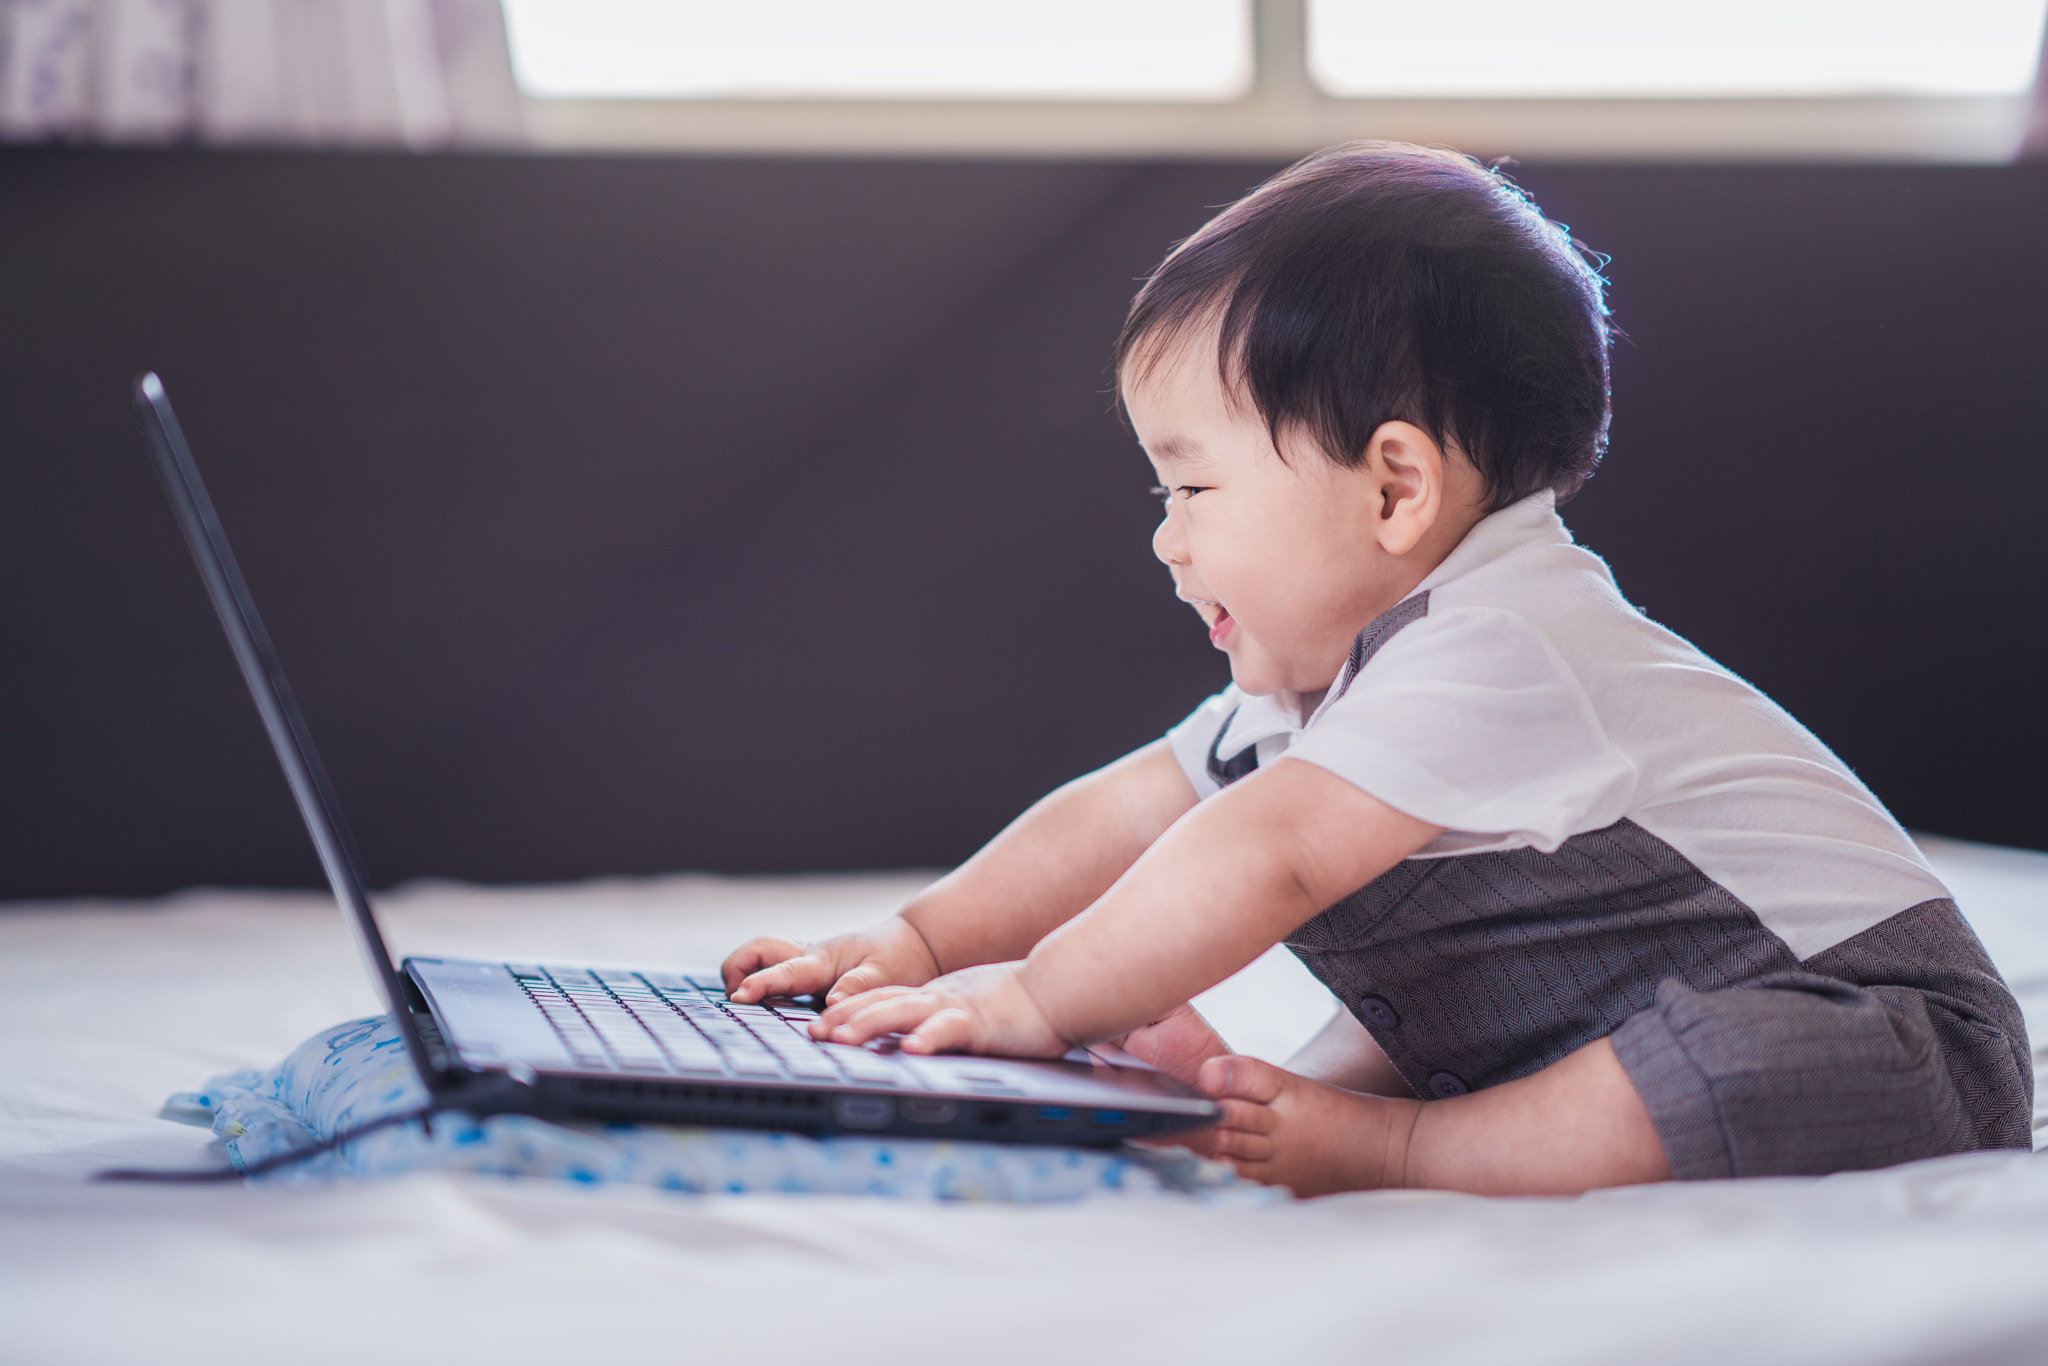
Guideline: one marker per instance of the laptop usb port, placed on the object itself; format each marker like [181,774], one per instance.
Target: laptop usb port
[1055,1116]
[862,1112]
[928,1111]
[1109,1117]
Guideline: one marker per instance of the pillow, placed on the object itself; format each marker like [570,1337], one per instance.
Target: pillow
[358,1072]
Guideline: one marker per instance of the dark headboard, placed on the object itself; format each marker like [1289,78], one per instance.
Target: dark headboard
[629,514]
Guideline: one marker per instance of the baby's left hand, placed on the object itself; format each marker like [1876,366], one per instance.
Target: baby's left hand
[976,1010]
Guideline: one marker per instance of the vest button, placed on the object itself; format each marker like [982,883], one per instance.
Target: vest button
[1444,1085]
[1375,1011]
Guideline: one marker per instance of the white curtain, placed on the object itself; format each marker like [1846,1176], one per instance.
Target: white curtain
[414,73]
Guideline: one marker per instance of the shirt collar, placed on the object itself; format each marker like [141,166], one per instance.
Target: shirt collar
[1532,521]
[1256,719]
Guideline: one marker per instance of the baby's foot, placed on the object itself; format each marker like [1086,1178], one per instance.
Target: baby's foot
[1177,1043]
[1314,1139]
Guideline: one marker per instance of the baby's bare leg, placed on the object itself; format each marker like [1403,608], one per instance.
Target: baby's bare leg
[1576,1125]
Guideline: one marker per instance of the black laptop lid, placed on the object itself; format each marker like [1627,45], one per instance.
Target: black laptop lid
[265,677]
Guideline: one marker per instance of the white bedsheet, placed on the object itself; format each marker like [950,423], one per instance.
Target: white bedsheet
[106,1008]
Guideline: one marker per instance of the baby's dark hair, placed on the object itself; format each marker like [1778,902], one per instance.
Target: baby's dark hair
[1380,281]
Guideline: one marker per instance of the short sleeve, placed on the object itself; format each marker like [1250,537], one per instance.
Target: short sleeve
[1470,719]
[1191,740]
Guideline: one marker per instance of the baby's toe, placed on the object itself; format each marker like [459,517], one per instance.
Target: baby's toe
[1240,1078]
[1248,1117]
[1242,1146]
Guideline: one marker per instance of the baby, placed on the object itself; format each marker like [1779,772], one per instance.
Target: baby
[1598,911]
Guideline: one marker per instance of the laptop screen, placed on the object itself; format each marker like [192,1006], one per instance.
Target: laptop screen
[281,719]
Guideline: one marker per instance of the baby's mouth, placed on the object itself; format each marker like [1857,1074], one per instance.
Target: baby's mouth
[1219,625]
[1214,615]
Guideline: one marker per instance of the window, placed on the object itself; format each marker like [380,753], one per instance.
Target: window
[1915,80]
[1123,50]
[1465,49]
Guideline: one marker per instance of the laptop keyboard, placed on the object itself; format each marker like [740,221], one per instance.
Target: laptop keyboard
[672,1025]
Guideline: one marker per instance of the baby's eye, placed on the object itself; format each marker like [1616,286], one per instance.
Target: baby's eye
[1165,494]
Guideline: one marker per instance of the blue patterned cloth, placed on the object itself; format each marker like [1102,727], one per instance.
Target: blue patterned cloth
[358,1072]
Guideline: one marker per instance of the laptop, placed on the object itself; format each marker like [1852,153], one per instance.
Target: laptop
[582,1042]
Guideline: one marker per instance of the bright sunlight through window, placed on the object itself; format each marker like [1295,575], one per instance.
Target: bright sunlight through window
[865,49]
[1654,49]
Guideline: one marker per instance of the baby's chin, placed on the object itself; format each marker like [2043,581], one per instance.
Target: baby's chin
[1256,676]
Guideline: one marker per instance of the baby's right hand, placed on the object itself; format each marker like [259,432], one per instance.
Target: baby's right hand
[889,955]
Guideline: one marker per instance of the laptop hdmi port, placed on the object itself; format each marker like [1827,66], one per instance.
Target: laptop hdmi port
[928,1111]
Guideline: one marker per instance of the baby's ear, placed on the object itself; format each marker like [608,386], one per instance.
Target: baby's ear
[1405,469]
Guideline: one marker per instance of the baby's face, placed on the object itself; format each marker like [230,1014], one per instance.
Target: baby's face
[1279,557]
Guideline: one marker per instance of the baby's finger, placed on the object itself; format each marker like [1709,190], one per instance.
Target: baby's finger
[857,981]
[949,1031]
[754,955]
[795,977]
[846,1006]
[897,1012]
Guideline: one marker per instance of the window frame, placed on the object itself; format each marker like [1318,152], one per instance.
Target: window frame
[1286,114]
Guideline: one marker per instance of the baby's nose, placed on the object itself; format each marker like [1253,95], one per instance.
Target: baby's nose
[1167,542]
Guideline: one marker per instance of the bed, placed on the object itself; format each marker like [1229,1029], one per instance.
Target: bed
[108,1007]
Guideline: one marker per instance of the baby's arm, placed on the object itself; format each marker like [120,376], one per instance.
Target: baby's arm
[1044,869]
[1231,878]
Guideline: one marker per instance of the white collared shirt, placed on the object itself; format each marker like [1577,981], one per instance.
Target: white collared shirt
[1531,703]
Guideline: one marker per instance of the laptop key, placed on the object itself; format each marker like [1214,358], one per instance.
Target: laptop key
[737,1038]
[689,1047]
[871,1071]
[699,1062]
[701,1069]
[679,1033]
[811,1069]
[862,1065]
